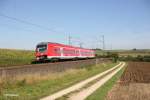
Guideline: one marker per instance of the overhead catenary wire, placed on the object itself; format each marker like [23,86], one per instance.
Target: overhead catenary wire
[71,39]
[27,23]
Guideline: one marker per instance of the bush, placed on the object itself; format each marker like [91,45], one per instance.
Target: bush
[138,58]
[112,55]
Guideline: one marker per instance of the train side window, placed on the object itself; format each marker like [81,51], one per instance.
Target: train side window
[69,51]
[77,52]
[57,50]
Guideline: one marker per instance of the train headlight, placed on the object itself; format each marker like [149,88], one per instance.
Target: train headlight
[37,58]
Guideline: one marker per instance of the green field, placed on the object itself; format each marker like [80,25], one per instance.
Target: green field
[9,57]
[53,83]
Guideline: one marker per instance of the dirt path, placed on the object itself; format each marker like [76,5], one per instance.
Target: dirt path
[79,85]
[86,92]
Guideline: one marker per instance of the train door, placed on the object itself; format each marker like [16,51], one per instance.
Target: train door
[80,53]
[61,51]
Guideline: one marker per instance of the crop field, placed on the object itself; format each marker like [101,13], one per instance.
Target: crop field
[134,84]
[9,57]
[137,72]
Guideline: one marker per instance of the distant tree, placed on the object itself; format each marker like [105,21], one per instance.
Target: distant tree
[134,49]
[115,57]
[139,58]
[97,49]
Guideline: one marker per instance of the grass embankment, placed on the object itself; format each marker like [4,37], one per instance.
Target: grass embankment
[101,93]
[53,83]
[15,57]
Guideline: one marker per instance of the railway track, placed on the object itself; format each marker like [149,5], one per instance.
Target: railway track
[42,63]
[43,69]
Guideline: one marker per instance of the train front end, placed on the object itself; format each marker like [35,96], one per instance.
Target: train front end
[41,51]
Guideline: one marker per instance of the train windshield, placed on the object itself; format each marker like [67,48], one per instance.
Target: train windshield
[41,48]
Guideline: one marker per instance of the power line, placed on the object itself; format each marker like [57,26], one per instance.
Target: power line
[26,22]
[17,28]
[33,24]
[70,39]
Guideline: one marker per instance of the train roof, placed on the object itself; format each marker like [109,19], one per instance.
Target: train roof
[45,43]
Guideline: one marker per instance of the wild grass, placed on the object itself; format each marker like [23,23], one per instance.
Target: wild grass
[35,87]
[9,57]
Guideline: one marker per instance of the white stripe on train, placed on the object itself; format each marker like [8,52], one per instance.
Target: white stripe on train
[68,57]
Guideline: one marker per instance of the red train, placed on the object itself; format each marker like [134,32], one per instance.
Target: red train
[49,50]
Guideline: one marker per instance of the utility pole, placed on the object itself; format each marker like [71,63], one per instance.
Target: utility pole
[103,42]
[69,40]
[111,47]
[80,44]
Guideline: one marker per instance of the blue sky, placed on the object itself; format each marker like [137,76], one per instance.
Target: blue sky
[124,23]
